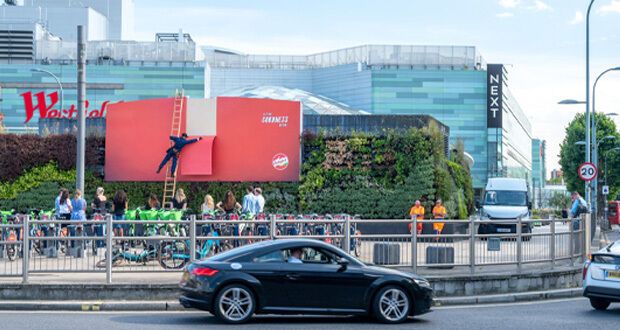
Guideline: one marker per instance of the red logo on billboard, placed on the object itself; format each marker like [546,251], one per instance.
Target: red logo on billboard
[46,110]
[280,162]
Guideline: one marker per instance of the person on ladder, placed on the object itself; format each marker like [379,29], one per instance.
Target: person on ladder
[174,151]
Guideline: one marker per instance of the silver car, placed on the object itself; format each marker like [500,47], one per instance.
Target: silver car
[601,277]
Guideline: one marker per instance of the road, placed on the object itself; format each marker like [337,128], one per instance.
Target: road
[564,314]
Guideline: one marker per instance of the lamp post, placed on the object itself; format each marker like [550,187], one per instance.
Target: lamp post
[595,150]
[62,94]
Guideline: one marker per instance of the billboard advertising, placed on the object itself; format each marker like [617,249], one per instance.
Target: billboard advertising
[243,139]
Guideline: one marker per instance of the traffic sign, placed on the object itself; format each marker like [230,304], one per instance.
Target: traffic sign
[605,190]
[587,171]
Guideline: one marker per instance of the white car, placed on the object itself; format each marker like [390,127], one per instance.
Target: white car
[601,277]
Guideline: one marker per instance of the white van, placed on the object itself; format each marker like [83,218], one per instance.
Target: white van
[505,199]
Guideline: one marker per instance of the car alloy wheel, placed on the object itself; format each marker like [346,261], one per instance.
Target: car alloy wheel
[393,305]
[235,304]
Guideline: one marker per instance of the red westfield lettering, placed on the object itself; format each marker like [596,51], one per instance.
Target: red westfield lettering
[46,110]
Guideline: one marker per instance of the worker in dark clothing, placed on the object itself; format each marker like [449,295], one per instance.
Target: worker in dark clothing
[174,151]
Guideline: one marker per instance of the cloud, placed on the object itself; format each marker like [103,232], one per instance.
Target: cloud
[612,7]
[504,15]
[540,6]
[578,18]
[509,3]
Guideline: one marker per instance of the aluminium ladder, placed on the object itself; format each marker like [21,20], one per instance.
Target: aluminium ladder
[170,184]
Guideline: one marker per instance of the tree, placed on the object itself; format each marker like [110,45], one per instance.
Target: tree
[572,155]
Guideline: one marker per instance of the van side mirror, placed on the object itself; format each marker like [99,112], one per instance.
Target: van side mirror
[477,204]
[529,205]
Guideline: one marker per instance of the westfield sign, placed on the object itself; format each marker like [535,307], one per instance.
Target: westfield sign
[45,103]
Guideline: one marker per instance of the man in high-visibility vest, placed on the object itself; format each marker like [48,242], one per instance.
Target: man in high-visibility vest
[417,211]
[439,212]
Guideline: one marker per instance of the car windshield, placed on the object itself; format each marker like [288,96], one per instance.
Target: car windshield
[504,197]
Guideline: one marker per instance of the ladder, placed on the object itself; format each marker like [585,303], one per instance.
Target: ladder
[170,184]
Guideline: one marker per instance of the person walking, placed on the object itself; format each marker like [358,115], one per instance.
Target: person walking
[439,213]
[179,202]
[417,212]
[260,200]
[174,152]
[99,207]
[119,206]
[64,206]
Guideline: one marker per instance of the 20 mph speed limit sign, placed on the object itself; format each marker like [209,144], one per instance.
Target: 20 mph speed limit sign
[587,171]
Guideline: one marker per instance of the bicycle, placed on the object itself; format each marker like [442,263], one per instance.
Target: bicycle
[176,254]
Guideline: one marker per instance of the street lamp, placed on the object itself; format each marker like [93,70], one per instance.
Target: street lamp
[593,136]
[570,102]
[62,94]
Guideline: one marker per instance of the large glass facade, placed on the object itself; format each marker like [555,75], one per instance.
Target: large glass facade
[112,83]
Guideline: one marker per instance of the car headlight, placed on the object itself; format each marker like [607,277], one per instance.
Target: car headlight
[484,215]
[422,283]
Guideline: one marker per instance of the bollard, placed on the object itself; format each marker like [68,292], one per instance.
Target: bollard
[414,244]
[192,238]
[472,246]
[519,245]
[552,244]
[108,264]
[347,234]
[272,227]
[25,249]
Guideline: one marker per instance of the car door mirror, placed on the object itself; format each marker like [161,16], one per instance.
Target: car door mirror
[344,263]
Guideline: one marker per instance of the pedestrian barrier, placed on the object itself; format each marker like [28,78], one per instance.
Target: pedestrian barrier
[67,246]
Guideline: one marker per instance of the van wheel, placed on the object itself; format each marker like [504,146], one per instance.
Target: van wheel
[599,304]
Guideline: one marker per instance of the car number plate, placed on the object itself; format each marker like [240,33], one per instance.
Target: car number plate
[613,274]
[503,230]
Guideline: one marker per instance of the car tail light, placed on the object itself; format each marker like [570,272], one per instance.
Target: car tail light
[586,265]
[204,271]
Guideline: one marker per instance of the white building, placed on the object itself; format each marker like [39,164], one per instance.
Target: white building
[102,19]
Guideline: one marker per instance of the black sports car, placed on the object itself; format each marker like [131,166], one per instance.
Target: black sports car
[300,276]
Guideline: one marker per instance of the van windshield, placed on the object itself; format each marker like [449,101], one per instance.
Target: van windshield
[508,198]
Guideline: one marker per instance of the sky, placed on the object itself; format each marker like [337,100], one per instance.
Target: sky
[541,41]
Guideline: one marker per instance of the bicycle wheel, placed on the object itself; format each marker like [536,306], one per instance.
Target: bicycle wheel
[173,255]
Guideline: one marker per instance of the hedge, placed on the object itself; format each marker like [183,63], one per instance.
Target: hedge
[373,176]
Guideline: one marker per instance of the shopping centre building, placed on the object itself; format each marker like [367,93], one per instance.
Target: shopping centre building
[452,84]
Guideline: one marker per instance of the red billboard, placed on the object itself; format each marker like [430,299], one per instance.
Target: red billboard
[244,139]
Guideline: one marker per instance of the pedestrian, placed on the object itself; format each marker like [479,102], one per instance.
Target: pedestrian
[258,192]
[79,213]
[179,202]
[417,212]
[119,206]
[249,201]
[57,203]
[152,203]
[64,205]
[208,205]
[99,207]
[79,206]
[229,204]
[99,203]
[579,206]
[174,152]
[439,213]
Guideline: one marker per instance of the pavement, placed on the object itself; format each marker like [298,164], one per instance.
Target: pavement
[565,314]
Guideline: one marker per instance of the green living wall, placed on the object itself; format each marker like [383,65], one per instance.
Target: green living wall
[373,176]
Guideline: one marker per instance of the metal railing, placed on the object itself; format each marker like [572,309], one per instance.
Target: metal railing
[72,246]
